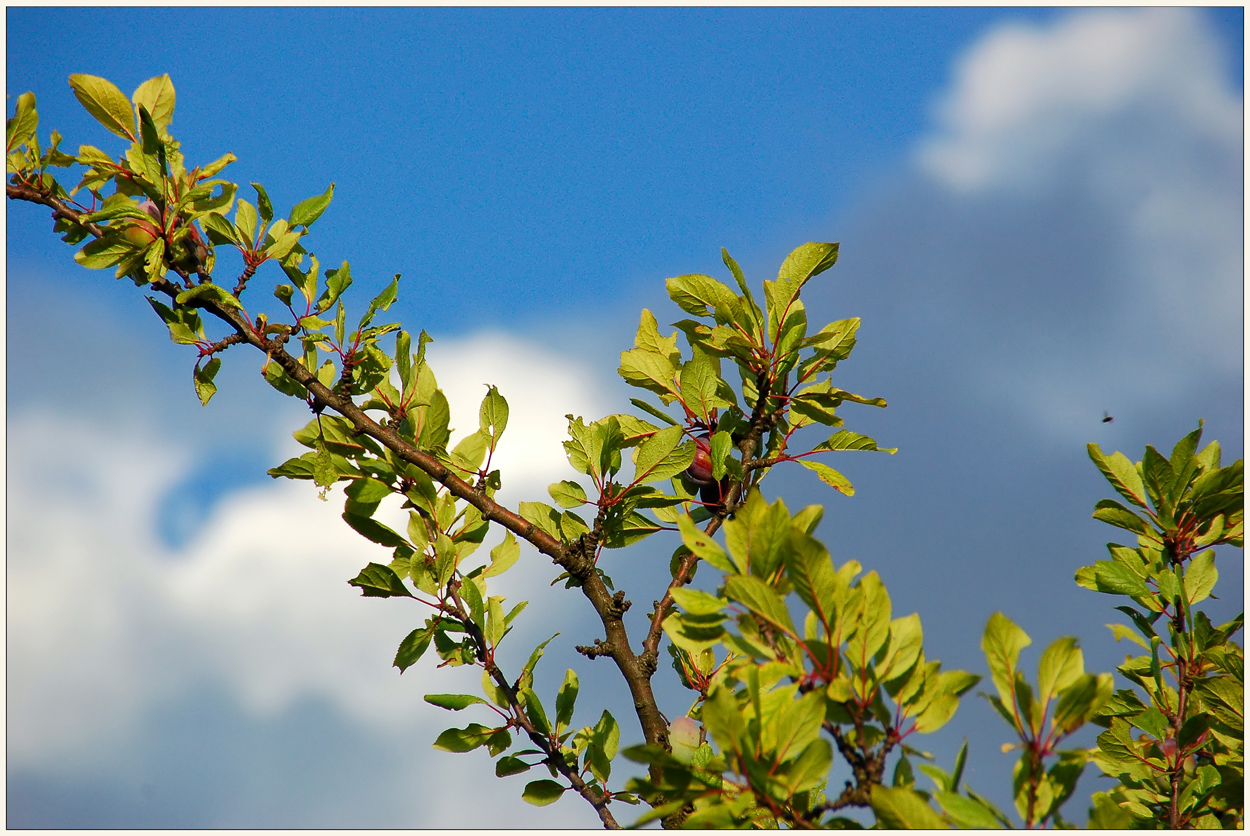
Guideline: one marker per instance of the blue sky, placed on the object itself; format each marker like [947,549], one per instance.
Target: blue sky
[1041,219]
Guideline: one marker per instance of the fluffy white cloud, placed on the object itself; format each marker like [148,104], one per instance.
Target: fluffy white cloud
[540,389]
[1025,94]
[1089,177]
[105,620]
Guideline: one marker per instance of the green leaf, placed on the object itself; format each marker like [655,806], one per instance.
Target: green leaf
[217,165]
[283,243]
[830,477]
[807,261]
[1121,473]
[23,123]
[651,410]
[697,602]
[534,710]
[307,211]
[698,294]
[699,383]
[463,740]
[565,700]
[156,95]
[473,598]
[509,765]
[204,386]
[245,221]
[1194,727]
[968,813]
[704,546]
[903,649]
[721,451]
[541,793]
[871,612]
[526,678]
[1002,643]
[454,702]
[811,769]
[503,556]
[367,491]
[1116,578]
[220,230]
[382,301]
[103,252]
[1110,511]
[760,598]
[904,809]
[847,440]
[106,103]
[836,340]
[493,414]
[496,621]
[1200,577]
[371,529]
[412,648]
[651,371]
[546,518]
[1061,665]
[723,718]
[662,456]
[203,294]
[1080,700]
[1153,723]
[567,494]
[378,581]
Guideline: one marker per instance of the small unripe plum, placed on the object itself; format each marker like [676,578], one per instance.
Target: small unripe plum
[700,470]
[141,233]
[683,736]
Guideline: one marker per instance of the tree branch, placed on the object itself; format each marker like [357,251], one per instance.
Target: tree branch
[637,672]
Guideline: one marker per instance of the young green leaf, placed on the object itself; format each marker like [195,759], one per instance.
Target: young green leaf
[204,386]
[156,95]
[541,793]
[23,123]
[904,809]
[412,648]
[1002,643]
[454,702]
[493,414]
[662,456]
[106,103]
[830,477]
[698,294]
[307,211]
[565,700]
[1120,472]
[378,581]
[463,740]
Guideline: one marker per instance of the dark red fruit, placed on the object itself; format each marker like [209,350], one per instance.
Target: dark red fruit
[714,493]
[700,470]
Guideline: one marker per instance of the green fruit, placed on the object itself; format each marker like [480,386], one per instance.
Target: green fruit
[141,233]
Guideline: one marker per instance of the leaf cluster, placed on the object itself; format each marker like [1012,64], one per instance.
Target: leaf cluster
[1185,767]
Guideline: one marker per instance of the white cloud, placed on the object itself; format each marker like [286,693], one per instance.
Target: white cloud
[1110,143]
[105,621]
[540,389]
[1025,93]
